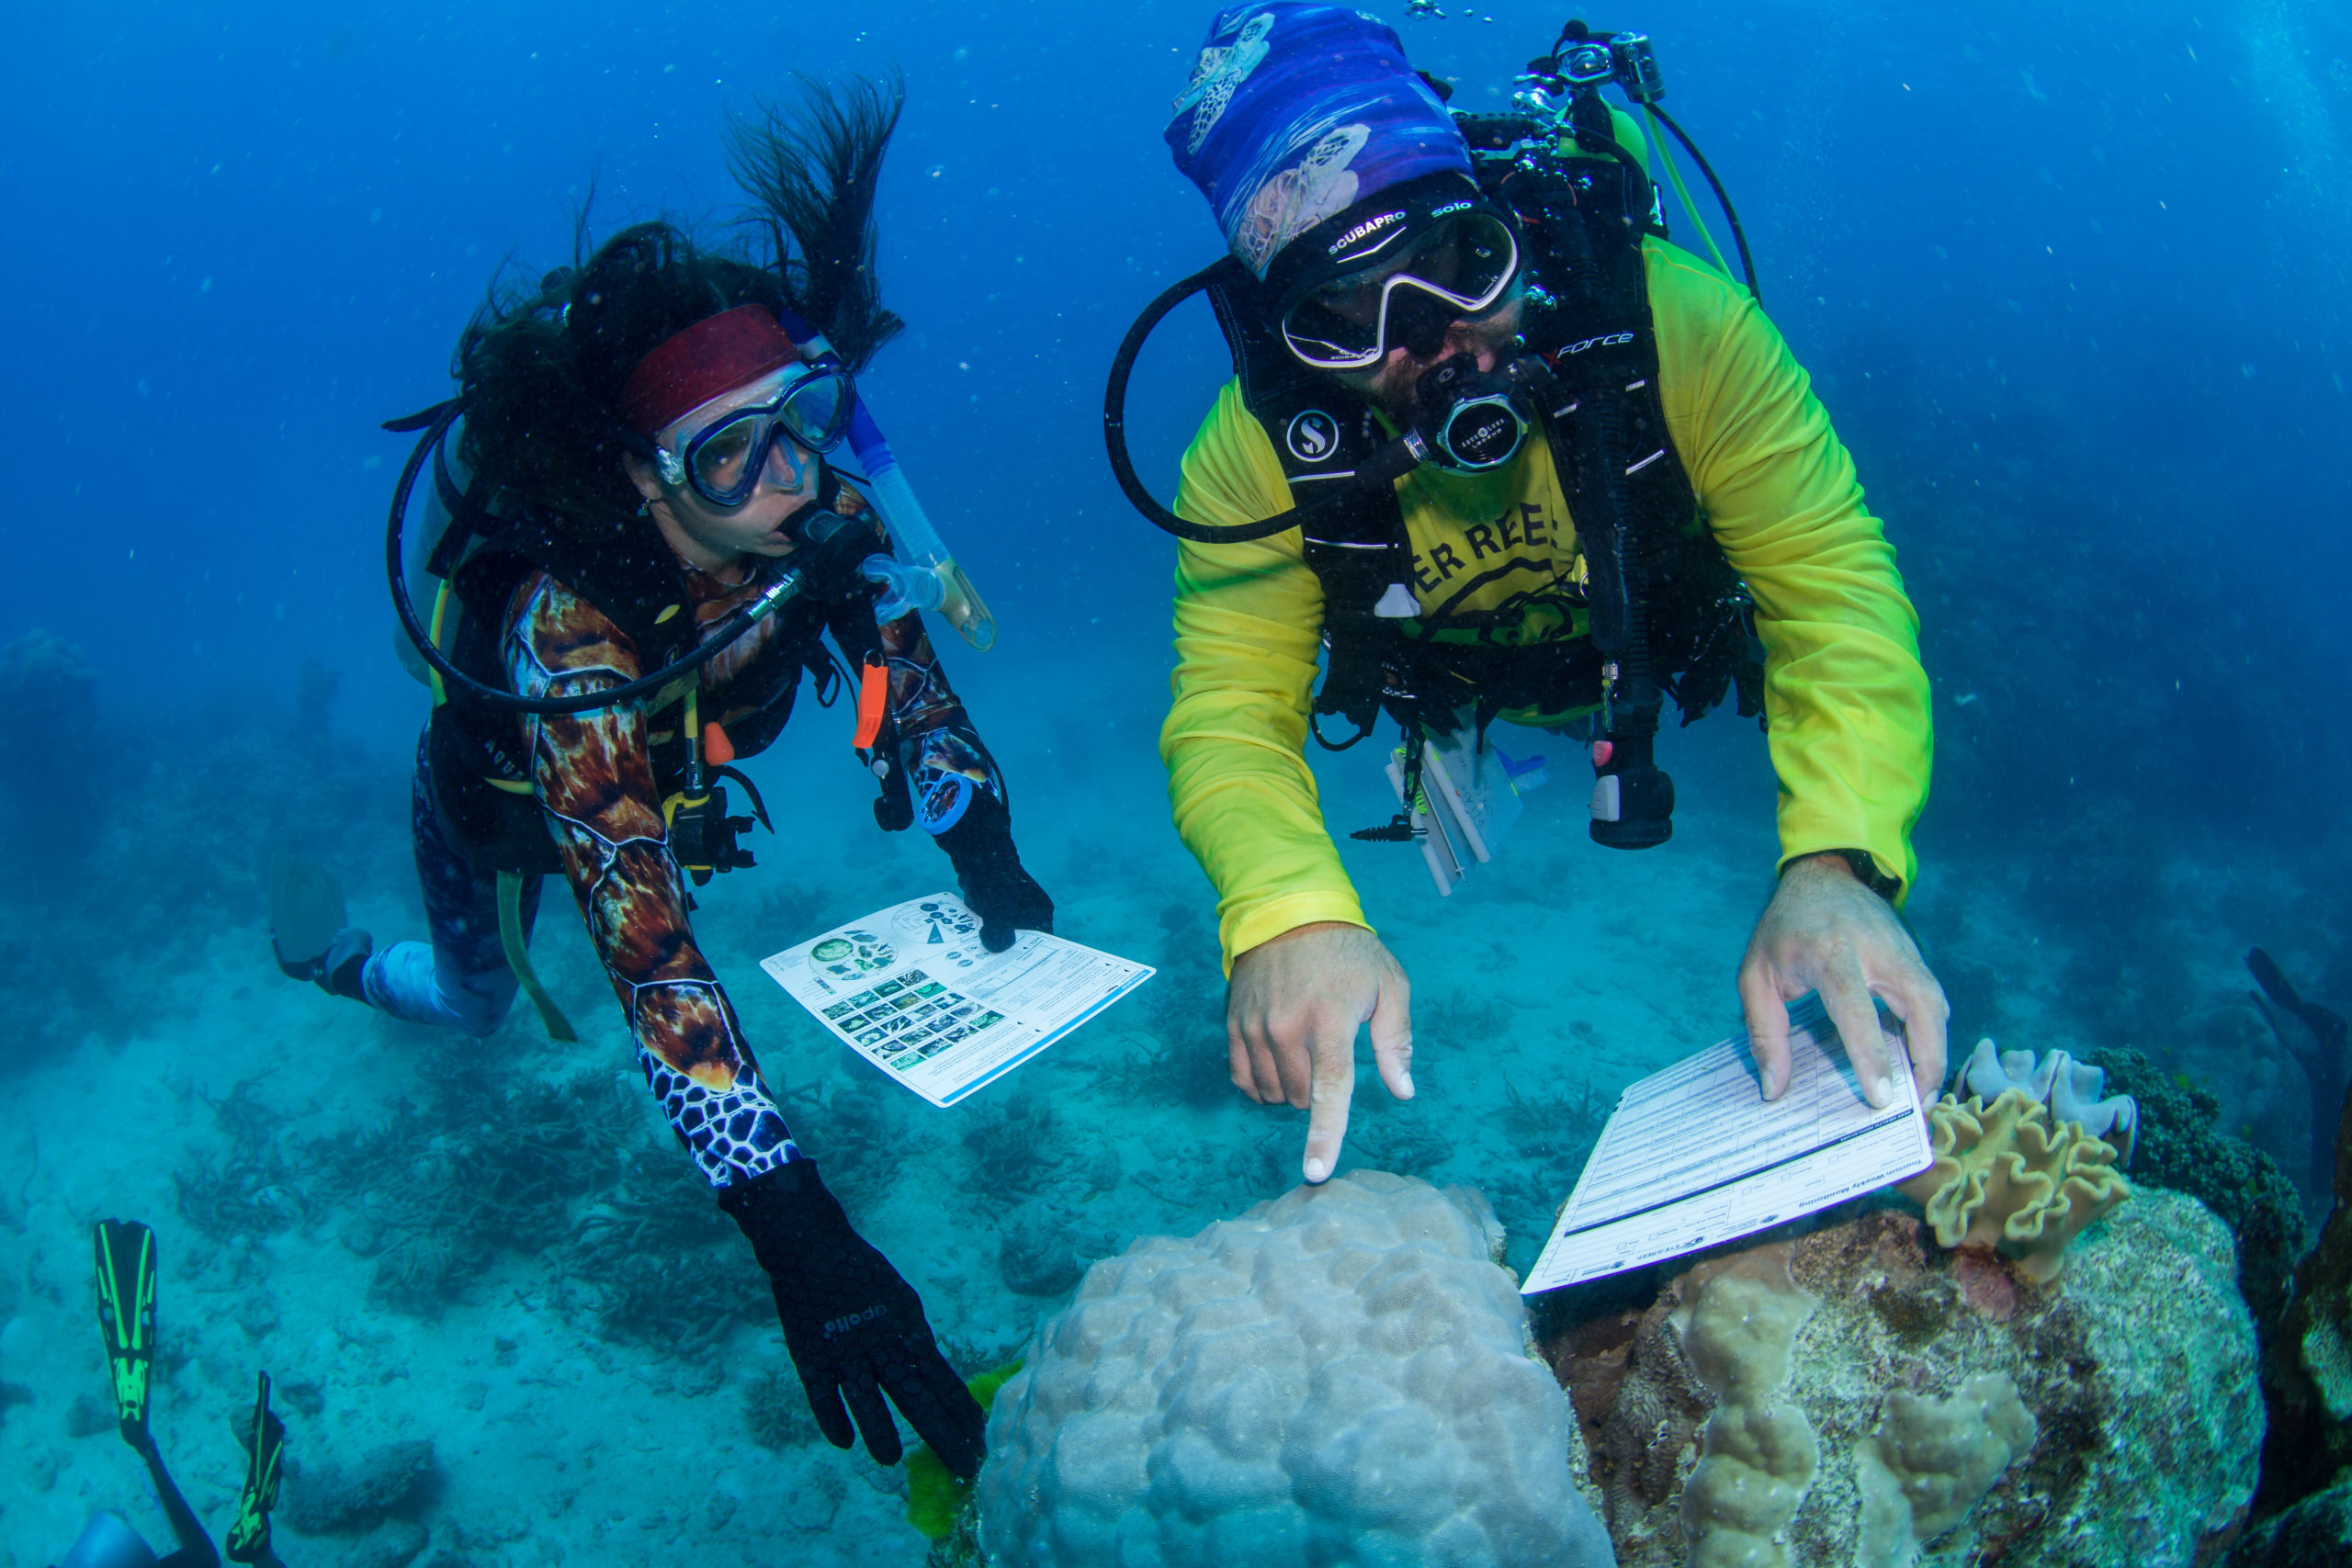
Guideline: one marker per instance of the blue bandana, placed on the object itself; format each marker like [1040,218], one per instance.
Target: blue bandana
[1296,111]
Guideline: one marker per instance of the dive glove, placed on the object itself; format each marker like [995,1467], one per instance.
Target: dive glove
[1006,897]
[855,1329]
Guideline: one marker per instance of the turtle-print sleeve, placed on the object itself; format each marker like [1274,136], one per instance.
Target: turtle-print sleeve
[593,773]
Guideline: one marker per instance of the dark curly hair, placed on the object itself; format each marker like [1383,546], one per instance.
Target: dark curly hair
[541,370]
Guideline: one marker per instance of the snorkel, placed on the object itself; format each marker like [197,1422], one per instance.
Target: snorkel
[918,573]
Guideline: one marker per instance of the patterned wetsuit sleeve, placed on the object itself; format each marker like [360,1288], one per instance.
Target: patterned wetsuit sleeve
[594,776]
[936,736]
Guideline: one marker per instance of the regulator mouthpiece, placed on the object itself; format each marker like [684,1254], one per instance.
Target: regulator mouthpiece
[1475,422]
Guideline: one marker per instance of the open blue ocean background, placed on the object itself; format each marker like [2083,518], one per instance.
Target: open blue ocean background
[2073,283]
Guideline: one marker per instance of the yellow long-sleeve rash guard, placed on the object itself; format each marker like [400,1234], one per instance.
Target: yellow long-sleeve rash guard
[1845,696]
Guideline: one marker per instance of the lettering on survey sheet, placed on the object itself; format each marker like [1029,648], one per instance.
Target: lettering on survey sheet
[1520,527]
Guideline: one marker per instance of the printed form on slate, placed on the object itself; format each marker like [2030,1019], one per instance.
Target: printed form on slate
[911,989]
[1694,1155]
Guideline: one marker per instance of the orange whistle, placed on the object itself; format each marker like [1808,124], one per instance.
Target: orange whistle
[872,701]
[717,749]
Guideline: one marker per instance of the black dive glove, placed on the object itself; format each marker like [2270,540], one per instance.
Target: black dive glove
[996,889]
[854,1327]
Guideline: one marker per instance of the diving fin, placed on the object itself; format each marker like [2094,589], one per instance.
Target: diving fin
[265,1453]
[126,1259]
[305,912]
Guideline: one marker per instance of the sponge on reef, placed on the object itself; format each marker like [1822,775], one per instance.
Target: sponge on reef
[2006,1176]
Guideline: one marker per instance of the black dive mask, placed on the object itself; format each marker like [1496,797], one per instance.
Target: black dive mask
[1469,420]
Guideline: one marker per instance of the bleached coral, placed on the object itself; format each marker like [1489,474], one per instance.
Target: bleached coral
[2074,1091]
[1339,1376]
[2007,1177]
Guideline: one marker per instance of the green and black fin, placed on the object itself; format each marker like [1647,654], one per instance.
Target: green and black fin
[306,910]
[265,1453]
[126,1260]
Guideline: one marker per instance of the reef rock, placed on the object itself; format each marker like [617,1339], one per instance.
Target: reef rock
[2310,1370]
[1890,1402]
[325,1499]
[1339,1376]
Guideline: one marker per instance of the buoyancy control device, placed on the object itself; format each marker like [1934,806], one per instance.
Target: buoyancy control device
[1662,611]
[476,551]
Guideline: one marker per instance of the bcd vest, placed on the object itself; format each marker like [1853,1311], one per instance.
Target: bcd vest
[1658,589]
[480,774]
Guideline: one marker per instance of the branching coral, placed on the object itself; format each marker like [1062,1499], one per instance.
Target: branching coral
[1012,1148]
[2005,1177]
[253,1190]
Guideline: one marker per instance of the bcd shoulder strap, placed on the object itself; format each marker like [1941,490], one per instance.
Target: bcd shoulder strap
[1356,544]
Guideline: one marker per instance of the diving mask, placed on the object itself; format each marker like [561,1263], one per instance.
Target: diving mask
[1393,273]
[723,461]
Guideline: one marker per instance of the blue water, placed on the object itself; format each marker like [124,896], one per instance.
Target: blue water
[2071,281]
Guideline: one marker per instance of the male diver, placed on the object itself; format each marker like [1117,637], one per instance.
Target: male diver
[660,505]
[1546,467]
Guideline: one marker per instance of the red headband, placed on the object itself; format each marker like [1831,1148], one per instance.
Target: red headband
[716,354]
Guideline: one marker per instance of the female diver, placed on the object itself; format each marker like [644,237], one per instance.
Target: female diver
[661,429]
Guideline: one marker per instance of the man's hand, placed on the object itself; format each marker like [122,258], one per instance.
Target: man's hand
[1825,931]
[1291,1019]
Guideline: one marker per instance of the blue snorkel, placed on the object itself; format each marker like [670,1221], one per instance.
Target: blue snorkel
[919,574]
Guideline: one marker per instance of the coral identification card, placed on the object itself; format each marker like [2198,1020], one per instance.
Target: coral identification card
[1694,1156]
[911,989]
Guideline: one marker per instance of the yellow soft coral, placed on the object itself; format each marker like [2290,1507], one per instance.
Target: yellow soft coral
[2006,1177]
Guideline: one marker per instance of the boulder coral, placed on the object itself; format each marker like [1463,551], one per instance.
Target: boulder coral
[1339,1376]
[2007,1177]
[1962,1412]
[1758,1454]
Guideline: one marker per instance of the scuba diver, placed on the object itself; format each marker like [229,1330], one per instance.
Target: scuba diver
[665,492]
[126,1286]
[1506,453]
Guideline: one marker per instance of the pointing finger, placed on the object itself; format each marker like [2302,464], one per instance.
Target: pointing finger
[874,1423]
[825,1404]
